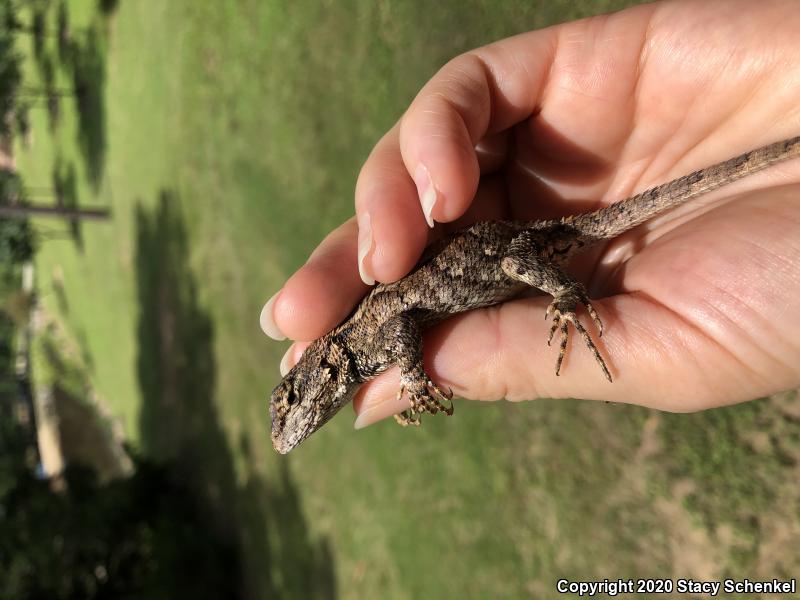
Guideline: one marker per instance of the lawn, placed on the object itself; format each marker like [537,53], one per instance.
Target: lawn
[226,138]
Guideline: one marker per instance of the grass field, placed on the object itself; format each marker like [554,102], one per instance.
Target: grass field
[226,138]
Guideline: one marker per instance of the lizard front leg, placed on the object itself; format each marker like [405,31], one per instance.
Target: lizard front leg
[400,340]
[523,264]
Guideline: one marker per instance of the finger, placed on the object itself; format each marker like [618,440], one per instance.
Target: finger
[468,103]
[476,94]
[387,208]
[392,230]
[490,204]
[377,399]
[292,356]
[321,293]
[492,152]
[501,353]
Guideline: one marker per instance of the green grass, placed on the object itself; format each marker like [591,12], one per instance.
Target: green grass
[227,142]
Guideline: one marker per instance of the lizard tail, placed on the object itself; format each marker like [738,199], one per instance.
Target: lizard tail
[612,220]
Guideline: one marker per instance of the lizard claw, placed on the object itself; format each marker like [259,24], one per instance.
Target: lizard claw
[563,313]
[408,417]
[446,407]
[424,396]
[438,396]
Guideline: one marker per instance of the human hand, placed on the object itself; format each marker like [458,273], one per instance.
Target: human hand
[697,305]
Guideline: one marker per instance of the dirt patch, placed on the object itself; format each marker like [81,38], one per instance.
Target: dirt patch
[7,162]
[695,553]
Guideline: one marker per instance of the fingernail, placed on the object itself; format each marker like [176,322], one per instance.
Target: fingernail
[364,247]
[367,418]
[292,356]
[426,191]
[267,320]
[377,412]
[284,366]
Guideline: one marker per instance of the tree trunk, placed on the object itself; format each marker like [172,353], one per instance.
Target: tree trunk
[43,93]
[23,211]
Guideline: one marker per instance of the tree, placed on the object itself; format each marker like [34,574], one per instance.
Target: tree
[17,238]
[137,537]
[11,90]
[10,79]
[14,203]
[11,22]
[17,241]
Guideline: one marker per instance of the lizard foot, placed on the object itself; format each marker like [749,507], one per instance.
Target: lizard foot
[562,311]
[425,396]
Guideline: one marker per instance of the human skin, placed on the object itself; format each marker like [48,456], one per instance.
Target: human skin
[701,307]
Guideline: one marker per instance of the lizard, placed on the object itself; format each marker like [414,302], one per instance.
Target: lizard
[481,265]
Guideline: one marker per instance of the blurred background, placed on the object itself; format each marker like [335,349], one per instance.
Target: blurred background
[165,165]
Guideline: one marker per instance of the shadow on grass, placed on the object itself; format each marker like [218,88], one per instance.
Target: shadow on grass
[107,7]
[179,422]
[81,55]
[63,32]
[52,98]
[65,189]
[89,80]
[38,29]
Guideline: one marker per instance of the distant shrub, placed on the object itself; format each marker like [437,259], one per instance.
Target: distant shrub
[17,241]
[136,537]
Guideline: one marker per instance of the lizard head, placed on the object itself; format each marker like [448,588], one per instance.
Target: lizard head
[311,393]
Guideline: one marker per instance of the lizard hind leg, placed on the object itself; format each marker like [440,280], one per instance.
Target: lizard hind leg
[522,264]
